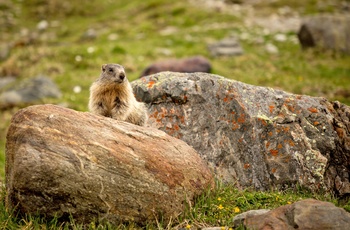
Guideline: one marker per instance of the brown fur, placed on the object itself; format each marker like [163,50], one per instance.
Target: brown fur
[111,95]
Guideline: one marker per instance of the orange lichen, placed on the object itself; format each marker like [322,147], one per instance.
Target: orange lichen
[286,129]
[182,119]
[234,125]
[274,152]
[246,166]
[271,107]
[270,134]
[316,123]
[267,145]
[290,142]
[150,84]
[290,108]
[263,122]
[340,132]
[313,110]
[176,127]
[273,170]
[279,146]
[241,118]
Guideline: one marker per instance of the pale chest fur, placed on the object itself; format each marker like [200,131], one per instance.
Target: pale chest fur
[110,97]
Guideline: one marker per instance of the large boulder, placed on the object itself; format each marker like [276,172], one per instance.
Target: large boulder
[326,31]
[253,136]
[61,162]
[305,214]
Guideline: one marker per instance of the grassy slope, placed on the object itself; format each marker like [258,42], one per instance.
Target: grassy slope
[138,25]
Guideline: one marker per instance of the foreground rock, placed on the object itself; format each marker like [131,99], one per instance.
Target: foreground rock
[185,65]
[253,136]
[326,31]
[305,214]
[62,162]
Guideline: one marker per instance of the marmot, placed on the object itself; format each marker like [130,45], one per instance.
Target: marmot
[111,95]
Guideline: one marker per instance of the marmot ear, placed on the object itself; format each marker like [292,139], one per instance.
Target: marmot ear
[103,67]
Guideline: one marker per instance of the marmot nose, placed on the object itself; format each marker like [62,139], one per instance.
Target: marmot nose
[122,76]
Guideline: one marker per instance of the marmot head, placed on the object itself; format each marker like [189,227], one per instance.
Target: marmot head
[113,72]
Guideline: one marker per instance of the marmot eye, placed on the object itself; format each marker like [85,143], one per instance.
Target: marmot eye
[110,70]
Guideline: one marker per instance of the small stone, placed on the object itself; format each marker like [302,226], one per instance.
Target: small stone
[42,25]
[77,89]
[90,34]
[78,58]
[226,47]
[4,51]
[91,49]
[239,219]
[280,37]
[271,48]
[112,37]
[4,81]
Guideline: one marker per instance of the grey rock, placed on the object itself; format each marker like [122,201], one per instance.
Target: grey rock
[89,34]
[253,136]
[42,25]
[29,91]
[271,48]
[5,50]
[60,162]
[214,228]
[329,32]
[305,214]
[184,65]
[5,81]
[240,218]
[226,47]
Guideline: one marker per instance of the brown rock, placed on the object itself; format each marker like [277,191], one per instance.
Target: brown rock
[305,214]
[253,136]
[186,65]
[62,162]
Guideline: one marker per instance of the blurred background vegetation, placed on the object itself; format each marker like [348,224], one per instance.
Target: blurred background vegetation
[69,40]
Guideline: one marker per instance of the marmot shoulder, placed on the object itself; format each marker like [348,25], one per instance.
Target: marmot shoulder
[111,95]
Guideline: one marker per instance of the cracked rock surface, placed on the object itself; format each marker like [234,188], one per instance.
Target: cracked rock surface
[253,136]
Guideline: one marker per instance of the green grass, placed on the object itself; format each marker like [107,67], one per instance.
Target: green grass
[139,26]
[213,208]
